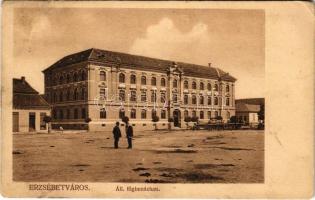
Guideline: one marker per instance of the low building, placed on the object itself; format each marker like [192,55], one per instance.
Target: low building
[247,110]
[29,108]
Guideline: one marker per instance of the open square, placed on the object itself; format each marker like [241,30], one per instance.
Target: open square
[157,157]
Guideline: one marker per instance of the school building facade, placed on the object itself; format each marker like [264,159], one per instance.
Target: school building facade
[105,86]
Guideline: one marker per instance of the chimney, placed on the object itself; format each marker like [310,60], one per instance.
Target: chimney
[209,64]
[23,79]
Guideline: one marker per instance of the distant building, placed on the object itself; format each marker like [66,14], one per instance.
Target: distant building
[247,110]
[29,108]
[105,86]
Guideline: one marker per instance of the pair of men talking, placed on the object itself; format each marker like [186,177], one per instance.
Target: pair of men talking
[117,135]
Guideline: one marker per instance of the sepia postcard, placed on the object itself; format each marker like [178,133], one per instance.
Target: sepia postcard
[157,99]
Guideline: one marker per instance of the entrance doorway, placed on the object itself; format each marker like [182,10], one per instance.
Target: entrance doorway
[15,122]
[176,115]
[31,123]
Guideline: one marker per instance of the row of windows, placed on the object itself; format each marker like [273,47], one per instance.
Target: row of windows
[133,80]
[68,95]
[70,77]
[70,114]
[143,97]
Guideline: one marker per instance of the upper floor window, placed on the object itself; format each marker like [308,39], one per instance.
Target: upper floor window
[175,83]
[186,113]
[227,101]
[61,97]
[175,98]
[103,93]
[163,97]
[133,113]
[153,81]
[201,100]
[143,80]
[216,101]
[75,113]
[83,76]
[102,76]
[227,89]
[143,96]
[121,78]
[83,113]
[209,86]
[209,100]
[61,80]
[132,79]
[68,78]
[122,95]
[143,114]
[216,87]
[185,99]
[194,85]
[193,113]
[202,86]
[75,77]
[163,82]
[185,84]
[82,94]
[133,95]
[121,113]
[193,99]
[153,96]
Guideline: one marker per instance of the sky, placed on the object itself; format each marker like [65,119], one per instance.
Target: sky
[232,40]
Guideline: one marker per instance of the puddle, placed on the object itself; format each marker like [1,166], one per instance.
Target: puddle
[207,166]
[140,169]
[145,174]
[81,165]
[156,163]
[17,152]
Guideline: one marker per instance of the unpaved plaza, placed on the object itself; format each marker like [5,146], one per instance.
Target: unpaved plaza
[157,157]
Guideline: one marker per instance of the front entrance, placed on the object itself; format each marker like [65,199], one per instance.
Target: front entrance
[176,115]
[31,122]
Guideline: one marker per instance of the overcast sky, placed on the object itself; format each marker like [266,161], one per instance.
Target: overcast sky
[232,40]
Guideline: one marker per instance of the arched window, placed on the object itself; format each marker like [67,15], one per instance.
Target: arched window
[185,84]
[102,76]
[227,88]
[75,94]
[133,95]
[175,98]
[83,113]
[175,83]
[75,114]
[163,114]
[133,79]
[209,114]
[75,77]
[133,113]
[121,78]
[83,75]
[209,86]
[121,113]
[60,96]
[103,113]
[216,87]
[68,78]
[201,115]
[209,100]
[163,82]
[153,113]
[193,113]
[82,94]
[227,101]
[202,86]
[216,101]
[122,95]
[185,99]
[143,114]
[186,113]
[153,81]
[68,95]
[194,85]
[143,95]
[201,100]
[193,99]
[143,80]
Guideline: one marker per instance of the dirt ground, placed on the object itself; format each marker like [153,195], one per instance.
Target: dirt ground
[157,157]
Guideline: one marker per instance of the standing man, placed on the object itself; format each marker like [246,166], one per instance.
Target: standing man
[129,134]
[117,135]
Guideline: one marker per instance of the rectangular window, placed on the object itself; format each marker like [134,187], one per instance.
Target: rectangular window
[103,114]
[163,97]
[163,114]
[143,96]
[103,93]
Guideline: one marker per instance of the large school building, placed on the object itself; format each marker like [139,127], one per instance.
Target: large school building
[105,86]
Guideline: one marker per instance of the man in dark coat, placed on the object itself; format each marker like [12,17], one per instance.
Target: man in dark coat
[117,135]
[129,134]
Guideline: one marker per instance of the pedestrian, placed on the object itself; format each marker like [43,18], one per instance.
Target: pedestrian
[61,129]
[117,135]
[129,134]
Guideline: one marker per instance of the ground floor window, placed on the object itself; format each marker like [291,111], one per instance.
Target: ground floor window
[186,113]
[42,122]
[163,114]
[201,115]
[121,113]
[143,114]
[103,114]
[83,113]
[133,113]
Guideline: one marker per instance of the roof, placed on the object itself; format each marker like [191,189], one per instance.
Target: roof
[26,97]
[243,107]
[256,101]
[140,62]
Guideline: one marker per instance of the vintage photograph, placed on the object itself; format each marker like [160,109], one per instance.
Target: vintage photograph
[138,95]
